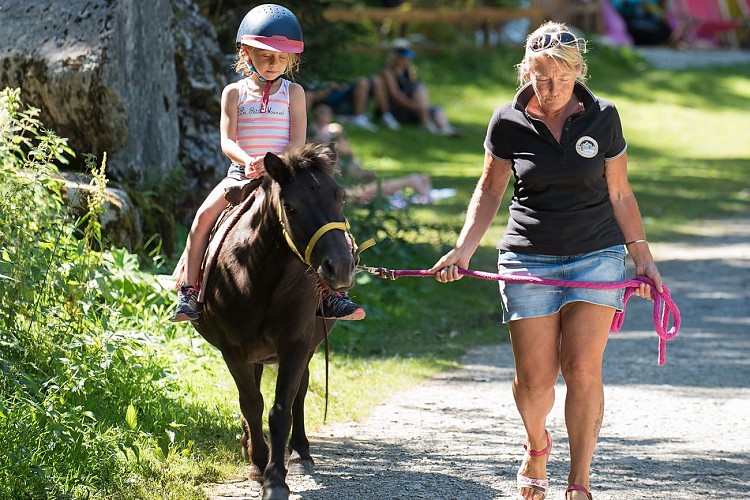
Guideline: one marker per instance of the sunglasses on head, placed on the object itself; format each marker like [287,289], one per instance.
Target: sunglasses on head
[548,40]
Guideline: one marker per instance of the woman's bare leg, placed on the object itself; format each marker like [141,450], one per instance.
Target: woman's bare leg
[420,183]
[536,343]
[361,96]
[421,98]
[585,330]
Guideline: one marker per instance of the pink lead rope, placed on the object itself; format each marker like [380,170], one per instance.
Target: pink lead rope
[664,306]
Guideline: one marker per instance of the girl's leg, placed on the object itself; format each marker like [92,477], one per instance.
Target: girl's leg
[535,343]
[585,330]
[197,240]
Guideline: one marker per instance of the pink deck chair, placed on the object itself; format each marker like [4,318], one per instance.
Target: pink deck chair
[703,19]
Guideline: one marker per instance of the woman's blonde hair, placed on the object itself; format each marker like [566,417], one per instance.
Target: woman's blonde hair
[570,55]
[245,52]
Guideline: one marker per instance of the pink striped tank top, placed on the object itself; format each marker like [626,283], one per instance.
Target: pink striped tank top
[259,133]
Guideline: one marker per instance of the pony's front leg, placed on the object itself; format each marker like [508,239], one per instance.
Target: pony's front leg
[299,446]
[247,379]
[292,366]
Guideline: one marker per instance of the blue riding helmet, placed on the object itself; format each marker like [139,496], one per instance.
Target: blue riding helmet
[271,27]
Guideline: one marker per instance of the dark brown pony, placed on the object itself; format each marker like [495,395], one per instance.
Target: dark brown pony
[261,299]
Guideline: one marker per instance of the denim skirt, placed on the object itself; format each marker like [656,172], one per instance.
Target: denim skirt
[523,300]
[236,172]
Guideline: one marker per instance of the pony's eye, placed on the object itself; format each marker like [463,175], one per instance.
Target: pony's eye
[288,209]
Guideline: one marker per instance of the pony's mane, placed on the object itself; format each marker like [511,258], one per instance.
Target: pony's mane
[312,156]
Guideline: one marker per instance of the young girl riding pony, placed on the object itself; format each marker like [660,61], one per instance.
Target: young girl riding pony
[262,112]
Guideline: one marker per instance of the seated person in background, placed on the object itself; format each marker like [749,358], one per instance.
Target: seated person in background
[408,98]
[364,188]
[323,129]
[645,20]
[353,99]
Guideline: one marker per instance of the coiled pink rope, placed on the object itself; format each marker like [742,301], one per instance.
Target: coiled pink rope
[664,306]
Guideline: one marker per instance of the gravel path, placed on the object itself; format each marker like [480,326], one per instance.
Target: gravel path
[677,431]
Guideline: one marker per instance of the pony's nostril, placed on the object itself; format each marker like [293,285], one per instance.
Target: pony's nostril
[329,270]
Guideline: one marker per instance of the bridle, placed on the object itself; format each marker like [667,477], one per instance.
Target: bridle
[343,226]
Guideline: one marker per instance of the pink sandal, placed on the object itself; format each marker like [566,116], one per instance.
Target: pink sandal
[539,485]
[578,487]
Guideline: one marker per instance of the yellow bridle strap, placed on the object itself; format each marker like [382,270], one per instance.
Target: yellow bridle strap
[286,235]
[344,226]
[364,246]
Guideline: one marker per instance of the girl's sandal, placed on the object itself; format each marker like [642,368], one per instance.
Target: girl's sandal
[578,487]
[539,485]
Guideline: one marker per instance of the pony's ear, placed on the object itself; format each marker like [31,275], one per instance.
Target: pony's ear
[334,155]
[277,169]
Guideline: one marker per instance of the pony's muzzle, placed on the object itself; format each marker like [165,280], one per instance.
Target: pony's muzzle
[338,273]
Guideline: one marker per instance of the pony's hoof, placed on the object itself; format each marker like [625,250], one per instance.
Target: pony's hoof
[300,467]
[255,474]
[276,493]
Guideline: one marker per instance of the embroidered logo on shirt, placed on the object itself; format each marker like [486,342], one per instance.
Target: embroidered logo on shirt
[587,147]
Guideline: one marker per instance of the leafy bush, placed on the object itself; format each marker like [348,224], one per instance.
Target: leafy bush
[86,401]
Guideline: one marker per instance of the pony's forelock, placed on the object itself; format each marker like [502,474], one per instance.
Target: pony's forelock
[312,156]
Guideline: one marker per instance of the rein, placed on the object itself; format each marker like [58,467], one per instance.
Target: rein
[664,306]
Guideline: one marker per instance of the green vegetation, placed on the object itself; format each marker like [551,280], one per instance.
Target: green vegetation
[100,396]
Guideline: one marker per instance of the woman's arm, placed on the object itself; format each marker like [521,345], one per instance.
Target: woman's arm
[483,207]
[395,93]
[628,218]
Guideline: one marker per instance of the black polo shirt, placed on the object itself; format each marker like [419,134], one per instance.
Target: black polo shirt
[560,203]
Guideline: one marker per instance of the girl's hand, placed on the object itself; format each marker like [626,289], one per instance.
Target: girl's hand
[255,169]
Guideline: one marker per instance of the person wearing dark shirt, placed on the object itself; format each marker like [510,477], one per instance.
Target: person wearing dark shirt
[408,98]
[573,216]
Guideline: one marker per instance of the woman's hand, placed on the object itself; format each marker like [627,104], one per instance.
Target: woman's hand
[446,269]
[255,169]
[650,271]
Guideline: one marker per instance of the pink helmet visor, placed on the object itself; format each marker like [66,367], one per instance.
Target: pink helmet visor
[275,43]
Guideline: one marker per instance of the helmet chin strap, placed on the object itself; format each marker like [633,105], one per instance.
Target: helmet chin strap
[266,89]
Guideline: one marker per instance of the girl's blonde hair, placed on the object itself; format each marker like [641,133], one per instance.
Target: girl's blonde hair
[570,55]
[242,60]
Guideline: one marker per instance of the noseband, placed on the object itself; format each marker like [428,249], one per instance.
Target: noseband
[344,226]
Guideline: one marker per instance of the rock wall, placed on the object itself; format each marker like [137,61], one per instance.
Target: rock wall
[103,75]
[140,80]
[201,75]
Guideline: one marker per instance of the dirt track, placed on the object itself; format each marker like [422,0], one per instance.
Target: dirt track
[677,431]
